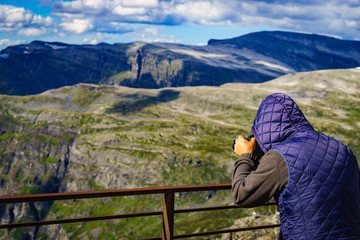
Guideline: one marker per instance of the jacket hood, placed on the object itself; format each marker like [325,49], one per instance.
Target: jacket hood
[278,117]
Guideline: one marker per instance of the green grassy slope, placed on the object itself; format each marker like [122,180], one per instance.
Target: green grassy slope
[90,137]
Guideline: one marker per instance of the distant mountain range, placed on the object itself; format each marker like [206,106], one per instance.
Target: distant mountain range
[253,58]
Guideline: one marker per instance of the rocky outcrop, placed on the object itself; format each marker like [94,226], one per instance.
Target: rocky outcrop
[257,219]
[34,159]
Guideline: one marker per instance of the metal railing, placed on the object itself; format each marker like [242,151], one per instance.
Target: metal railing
[167,212]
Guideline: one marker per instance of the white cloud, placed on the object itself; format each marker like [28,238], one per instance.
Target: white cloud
[171,12]
[15,14]
[13,17]
[202,11]
[140,3]
[68,7]
[93,39]
[25,22]
[77,25]
[332,17]
[121,27]
[7,42]
[47,21]
[151,34]
[32,31]
[351,24]
[119,10]
[93,3]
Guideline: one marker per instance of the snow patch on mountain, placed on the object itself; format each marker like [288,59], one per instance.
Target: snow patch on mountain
[273,65]
[199,55]
[55,47]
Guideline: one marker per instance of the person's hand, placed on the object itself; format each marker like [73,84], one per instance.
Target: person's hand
[242,145]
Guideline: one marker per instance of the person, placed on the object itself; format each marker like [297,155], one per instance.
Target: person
[313,177]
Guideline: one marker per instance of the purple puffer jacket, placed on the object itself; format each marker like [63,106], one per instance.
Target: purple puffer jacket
[321,199]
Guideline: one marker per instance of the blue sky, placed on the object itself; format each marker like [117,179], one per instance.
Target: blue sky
[177,21]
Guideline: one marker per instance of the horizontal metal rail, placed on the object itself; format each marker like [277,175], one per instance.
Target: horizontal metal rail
[74,220]
[109,193]
[88,219]
[167,213]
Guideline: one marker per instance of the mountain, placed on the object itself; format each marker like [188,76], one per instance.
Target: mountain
[91,137]
[299,52]
[253,58]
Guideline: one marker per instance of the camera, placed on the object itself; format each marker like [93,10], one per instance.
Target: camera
[258,153]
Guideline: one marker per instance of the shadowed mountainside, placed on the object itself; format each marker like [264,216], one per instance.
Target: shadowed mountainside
[253,58]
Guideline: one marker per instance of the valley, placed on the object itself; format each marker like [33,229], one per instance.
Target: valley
[92,137]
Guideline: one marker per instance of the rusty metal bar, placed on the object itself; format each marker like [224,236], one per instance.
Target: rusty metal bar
[205,209]
[168,216]
[109,193]
[213,208]
[74,220]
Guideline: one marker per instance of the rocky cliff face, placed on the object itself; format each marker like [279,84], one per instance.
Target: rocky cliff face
[34,159]
[253,58]
[257,219]
[92,137]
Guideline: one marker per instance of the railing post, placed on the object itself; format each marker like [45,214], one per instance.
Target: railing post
[168,216]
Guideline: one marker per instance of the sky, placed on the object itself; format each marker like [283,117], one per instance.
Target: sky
[177,21]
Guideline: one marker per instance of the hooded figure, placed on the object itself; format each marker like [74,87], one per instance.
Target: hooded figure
[314,178]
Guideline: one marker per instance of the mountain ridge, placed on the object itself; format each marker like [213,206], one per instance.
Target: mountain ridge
[252,58]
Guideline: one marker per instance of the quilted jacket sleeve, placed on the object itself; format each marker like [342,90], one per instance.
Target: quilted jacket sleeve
[253,186]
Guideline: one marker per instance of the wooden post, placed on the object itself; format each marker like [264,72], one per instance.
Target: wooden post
[168,216]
